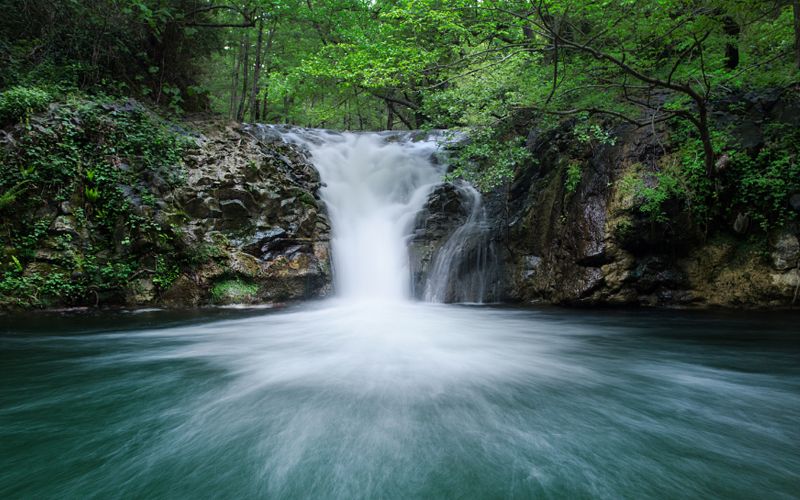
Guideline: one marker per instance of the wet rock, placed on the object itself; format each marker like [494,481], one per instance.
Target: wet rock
[67,224]
[742,223]
[184,292]
[234,210]
[202,208]
[140,292]
[530,264]
[786,252]
[794,202]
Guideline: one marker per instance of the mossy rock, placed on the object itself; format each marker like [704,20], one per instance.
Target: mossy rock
[234,292]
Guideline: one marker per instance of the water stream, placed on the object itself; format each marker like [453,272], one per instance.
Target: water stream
[375,184]
[373,395]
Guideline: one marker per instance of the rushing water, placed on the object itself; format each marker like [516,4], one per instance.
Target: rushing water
[375,184]
[352,400]
[464,267]
[370,395]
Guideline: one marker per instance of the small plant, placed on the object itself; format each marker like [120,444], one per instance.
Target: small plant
[17,264]
[18,103]
[166,273]
[234,291]
[573,179]
[9,197]
[652,195]
[92,194]
[591,133]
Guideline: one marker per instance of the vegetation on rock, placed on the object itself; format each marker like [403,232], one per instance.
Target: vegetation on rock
[715,83]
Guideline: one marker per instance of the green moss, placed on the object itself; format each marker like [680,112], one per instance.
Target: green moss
[233,292]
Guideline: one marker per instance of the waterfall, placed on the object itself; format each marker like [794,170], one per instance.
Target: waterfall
[374,186]
[464,267]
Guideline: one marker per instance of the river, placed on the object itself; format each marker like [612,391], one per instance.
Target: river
[342,400]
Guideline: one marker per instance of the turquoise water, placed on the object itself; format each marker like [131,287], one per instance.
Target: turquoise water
[373,400]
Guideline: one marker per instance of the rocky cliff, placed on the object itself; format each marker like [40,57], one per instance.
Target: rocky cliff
[591,243]
[228,218]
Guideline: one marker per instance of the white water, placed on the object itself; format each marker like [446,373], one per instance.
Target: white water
[463,268]
[375,185]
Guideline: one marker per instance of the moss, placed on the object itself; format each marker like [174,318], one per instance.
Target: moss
[233,292]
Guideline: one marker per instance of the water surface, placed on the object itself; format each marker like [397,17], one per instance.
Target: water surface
[400,400]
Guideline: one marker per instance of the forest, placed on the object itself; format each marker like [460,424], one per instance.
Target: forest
[689,72]
[372,65]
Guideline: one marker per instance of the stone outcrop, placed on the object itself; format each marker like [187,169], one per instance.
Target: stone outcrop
[255,201]
[593,245]
[444,212]
[243,224]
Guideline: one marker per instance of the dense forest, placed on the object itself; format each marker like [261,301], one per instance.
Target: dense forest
[494,69]
[380,65]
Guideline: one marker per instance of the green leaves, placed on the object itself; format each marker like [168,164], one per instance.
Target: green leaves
[487,160]
[18,103]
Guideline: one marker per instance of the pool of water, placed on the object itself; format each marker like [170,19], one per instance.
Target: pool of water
[400,400]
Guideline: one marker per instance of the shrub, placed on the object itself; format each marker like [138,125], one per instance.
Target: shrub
[19,102]
[573,179]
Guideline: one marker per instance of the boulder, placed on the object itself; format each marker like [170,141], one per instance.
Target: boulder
[786,252]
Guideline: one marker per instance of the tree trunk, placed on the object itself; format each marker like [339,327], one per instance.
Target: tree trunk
[796,8]
[705,137]
[235,80]
[267,67]
[257,71]
[245,74]
[389,116]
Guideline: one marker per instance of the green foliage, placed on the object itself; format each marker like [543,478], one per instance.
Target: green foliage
[92,156]
[9,197]
[486,160]
[760,185]
[38,289]
[652,191]
[166,272]
[139,47]
[92,194]
[233,291]
[573,178]
[592,133]
[18,103]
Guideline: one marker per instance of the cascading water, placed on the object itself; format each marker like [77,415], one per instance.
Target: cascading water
[375,185]
[464,268]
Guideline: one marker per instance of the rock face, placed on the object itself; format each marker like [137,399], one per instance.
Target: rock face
[593,246]
[255,203]
[443,213]
[244,224]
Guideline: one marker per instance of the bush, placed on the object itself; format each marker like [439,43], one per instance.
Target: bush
[573,178]
[19,102]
